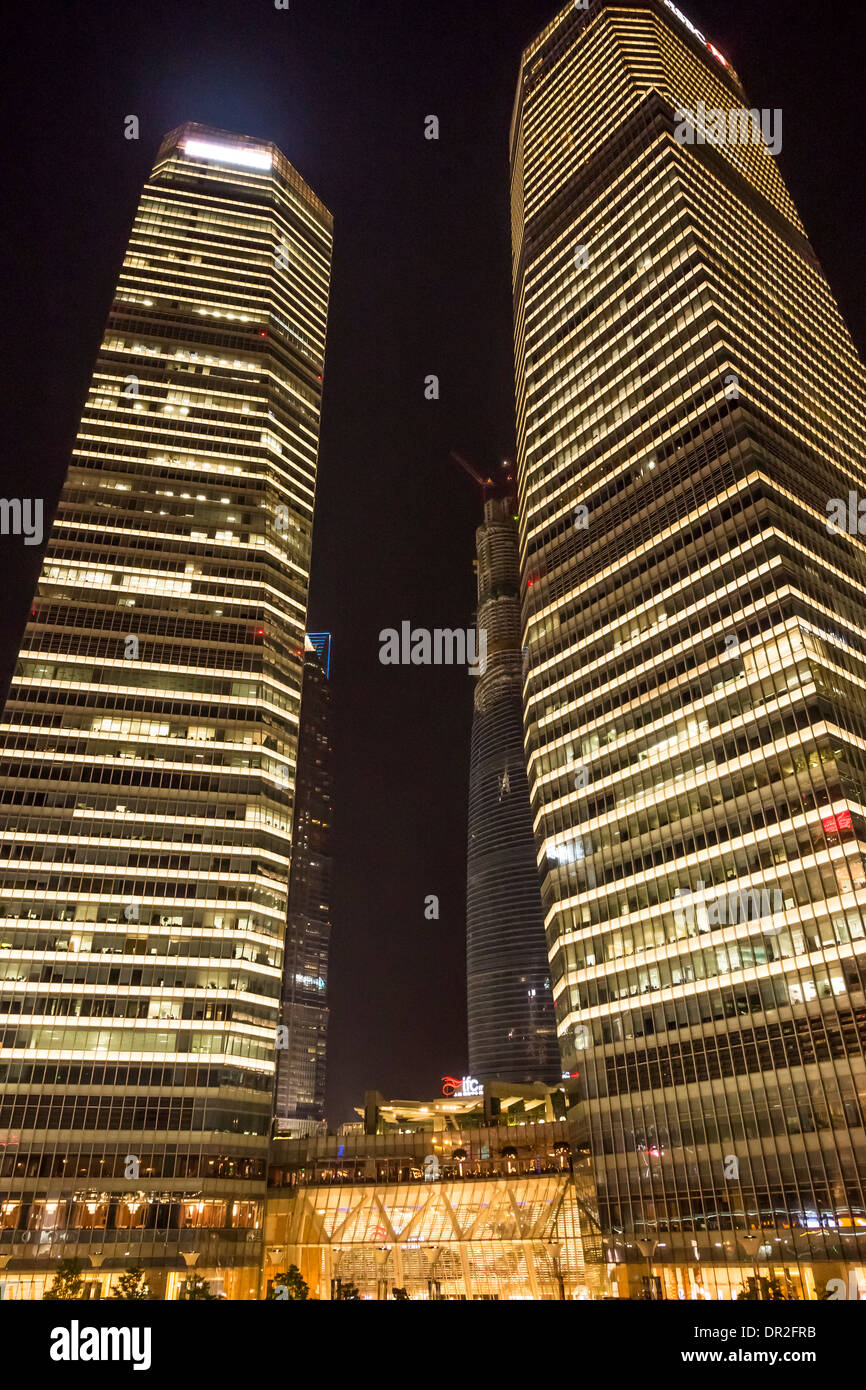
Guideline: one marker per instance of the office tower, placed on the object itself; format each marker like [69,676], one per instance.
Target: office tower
[300,1093]
[689,405]
[150,741]
[512,1029]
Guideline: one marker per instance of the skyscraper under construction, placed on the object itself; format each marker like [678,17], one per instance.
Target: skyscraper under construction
[150,738]
[512,1033]
[690,409]
[300,1090]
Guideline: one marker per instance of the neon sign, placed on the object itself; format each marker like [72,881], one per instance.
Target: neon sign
[461,1086]
[697,33]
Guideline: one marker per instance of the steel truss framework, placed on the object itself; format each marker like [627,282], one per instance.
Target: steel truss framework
[515,1237]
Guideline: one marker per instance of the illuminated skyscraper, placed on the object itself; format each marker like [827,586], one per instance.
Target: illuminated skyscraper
[300,1096]
[689,404]
[512,1032]
[150,740]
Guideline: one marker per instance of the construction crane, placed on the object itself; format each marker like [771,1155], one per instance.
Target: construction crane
[487,483]
[483,483]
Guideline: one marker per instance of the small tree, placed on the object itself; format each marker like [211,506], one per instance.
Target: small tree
[762,1291]
[68,1282]
[196,1289]
[401,1295]
[348,1293]
[131,1285]
[290,1285]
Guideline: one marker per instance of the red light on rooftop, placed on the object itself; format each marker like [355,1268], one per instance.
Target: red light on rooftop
[260,632]
[263,334]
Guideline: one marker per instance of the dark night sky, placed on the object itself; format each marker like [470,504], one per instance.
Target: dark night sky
[421,284]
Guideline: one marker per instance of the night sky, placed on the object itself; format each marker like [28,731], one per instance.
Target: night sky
[421,285]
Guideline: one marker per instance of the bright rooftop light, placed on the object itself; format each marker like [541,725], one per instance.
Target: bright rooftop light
[228,154]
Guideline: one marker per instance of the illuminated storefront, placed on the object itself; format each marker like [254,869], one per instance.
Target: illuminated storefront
[441,1200]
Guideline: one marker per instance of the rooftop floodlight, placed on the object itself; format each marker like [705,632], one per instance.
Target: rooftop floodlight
[228,154]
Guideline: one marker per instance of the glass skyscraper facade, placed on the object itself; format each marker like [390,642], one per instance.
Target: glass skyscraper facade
[512,1030]
[690,403]
[150,741]
[300,1094]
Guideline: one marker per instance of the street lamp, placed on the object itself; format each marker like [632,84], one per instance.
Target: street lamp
[555,1250]
[751,1245]
[647,1248]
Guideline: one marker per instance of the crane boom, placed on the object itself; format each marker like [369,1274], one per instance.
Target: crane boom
[483,483]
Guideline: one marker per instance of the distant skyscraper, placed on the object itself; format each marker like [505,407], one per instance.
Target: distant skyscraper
[300,1104]
[150,740]
[690,403]
[512,1032]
